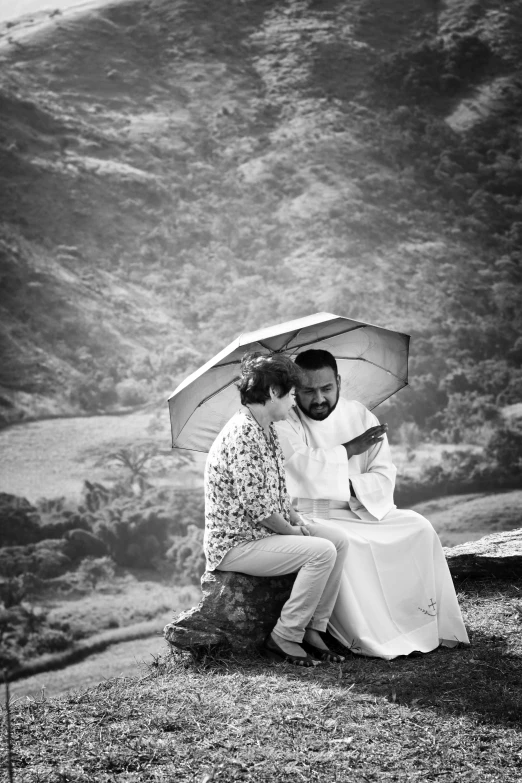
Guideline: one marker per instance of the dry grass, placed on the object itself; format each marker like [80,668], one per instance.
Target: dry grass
[450,716]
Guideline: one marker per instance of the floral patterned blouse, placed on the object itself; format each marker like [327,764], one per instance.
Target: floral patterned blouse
[244,484]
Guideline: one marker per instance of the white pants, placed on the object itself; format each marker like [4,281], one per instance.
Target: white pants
[318,560]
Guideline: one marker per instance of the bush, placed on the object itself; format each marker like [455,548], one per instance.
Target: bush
[134,536]
[20,522]
[94,391]
[12,591]
[58,516]
[96,569]
[48,640]
[81,544]
[409,435]
[505,448]
[498,466]
[187,556]
[136,528]
[131,392]
[25,633]
[46,559]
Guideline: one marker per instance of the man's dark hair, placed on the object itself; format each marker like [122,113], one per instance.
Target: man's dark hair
[315,359]
[260,372]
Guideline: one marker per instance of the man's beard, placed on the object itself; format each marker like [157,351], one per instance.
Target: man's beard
[321,412]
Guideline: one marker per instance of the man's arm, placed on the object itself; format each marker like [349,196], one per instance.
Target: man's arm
[374,486]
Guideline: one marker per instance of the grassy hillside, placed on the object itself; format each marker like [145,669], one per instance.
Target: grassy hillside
[173,173]
[452,715]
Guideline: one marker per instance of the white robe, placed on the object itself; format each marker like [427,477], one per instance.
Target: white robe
[397,594]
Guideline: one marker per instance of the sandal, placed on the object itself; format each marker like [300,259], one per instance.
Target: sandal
[275,652]
[322,655]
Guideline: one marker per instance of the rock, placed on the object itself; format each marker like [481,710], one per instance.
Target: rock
[499,554]
[236,612]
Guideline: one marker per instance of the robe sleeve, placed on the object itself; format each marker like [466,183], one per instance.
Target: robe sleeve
[311,472]
[375,483]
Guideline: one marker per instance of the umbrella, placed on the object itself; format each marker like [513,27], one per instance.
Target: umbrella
[373,364]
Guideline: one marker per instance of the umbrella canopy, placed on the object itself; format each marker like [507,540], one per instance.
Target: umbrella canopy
[373,364]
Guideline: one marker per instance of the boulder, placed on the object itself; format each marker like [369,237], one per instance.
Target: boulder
[235,613]
[499,554]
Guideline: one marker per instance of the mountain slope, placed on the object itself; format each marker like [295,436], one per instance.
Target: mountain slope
[173,173]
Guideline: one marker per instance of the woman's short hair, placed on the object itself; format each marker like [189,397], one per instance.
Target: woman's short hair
[260,372]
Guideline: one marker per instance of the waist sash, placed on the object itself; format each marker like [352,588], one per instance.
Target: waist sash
[319,507]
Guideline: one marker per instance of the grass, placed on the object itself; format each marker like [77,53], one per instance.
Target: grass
[452,715]
[119,659]
[460,518]
[121,604]
[78,446]
[123,610]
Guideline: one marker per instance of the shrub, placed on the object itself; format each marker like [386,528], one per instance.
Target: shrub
[136,528]
[82,543]
[96,569]
[46,559]
[50,559]
[505,448]
[48,640]
[187,556]
[19,521]
[134,536]
[131,392]
[498,466]
[409,435]
[59,516]
[12,591]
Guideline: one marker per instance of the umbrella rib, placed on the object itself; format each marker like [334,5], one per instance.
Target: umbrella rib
[260,342]
[325,339]
[214,393]
[302,345]
[292,337]
[405,383]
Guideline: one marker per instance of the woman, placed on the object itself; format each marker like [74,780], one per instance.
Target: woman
[250,525]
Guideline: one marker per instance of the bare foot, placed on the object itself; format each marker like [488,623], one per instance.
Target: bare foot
[314,637]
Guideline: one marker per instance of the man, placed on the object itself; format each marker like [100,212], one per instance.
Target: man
[397,595]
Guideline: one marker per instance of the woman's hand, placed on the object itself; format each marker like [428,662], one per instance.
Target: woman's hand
[298,530]
[295,518]
[278,524]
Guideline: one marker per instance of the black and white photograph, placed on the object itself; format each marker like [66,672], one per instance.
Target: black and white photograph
[260,391]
